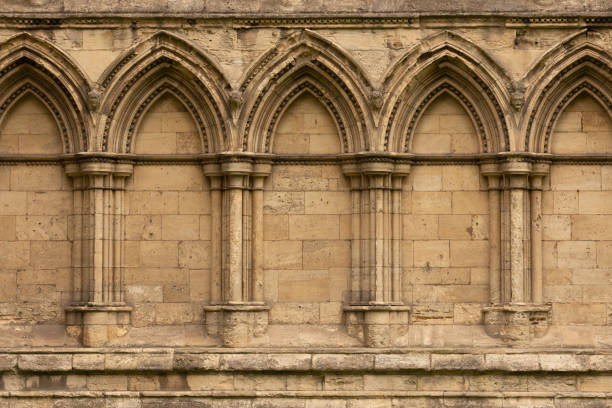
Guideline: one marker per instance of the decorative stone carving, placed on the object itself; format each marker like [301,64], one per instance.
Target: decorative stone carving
[375,312]
[237,312]
[515,203]
[98,312]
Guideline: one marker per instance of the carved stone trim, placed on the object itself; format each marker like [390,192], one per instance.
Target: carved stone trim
[445,87]
[319,95]
[551,86]
[130,84]
[65,92]
[562,105]
[58,117]
[145,105]
[517,322]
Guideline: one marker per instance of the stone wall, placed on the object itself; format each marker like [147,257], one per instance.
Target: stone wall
[322,210]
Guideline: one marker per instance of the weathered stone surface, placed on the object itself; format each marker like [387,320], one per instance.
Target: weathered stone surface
[45,362]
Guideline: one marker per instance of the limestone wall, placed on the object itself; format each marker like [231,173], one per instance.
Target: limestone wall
[312,211]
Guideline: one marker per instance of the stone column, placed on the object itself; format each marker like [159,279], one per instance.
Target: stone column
[516,312]
[98,313]
[375,312]
[237,311]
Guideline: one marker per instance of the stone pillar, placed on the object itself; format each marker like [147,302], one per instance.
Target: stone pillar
[516,312]
[98,312]
[237,311]
[375,312]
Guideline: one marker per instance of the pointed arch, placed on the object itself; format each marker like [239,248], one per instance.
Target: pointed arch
[33,66]
[577,65]
[305,62]
[447,63]
[164,63]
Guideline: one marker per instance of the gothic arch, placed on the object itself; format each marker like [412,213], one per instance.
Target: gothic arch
[305,62]
[162,64]
[579,64]
[447,63]
[30,65]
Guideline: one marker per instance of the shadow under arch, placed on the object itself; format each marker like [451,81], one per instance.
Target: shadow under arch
[576,66]
[305,62]
[30,65]
[164,63]
[447,63]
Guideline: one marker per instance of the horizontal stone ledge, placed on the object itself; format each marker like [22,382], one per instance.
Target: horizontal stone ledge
[228,360]
[304,394]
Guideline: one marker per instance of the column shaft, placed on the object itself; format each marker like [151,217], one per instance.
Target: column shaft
[257,240]
[235,222]
[536,239]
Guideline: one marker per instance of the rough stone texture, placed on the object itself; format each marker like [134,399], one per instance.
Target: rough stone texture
[305,204]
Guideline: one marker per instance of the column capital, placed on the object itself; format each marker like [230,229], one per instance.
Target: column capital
[96,166]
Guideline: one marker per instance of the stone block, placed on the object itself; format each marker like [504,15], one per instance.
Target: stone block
[193,202]
[196,362]
[343,382]
[327,202]
[153,202]
[160,253]
[457,362]
[143,227]
[107,382]
[556,227]
[294,313]
[576,313]
[455,227]
[169,178]
[8,362]
[180,227]
[282,254]
[460,178]
[280,202]
[8,286]
[431,254]
[595,202]
[512,362]
[420,227]
[576,254]
[470,202]
[45,362]
[431,202]
[311,227]
[426,178]
[266,362]
[469,253]
[13,202]
[264,382]
[441,382]
[194,254]
[326,254]
[276,227]
[572,178]
[342,362]
[139,361]
[389,382]
[591,227]
[50,254]
[563,362]
[215,381]
[88,362]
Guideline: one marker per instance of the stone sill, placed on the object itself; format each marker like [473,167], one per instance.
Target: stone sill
[306,394]
[265,360]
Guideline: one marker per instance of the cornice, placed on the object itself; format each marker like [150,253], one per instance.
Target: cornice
[306,159]
[195,20]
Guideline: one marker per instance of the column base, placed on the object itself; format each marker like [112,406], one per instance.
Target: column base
[517,322]
[236,324]
[377,325]
[97,325]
